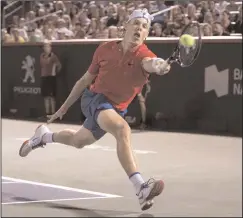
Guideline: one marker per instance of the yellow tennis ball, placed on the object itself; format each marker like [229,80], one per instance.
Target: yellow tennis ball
[187,40]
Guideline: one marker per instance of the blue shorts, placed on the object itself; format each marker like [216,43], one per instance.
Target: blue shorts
[91,104]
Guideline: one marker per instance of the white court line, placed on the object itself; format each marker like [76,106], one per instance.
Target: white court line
[62,187]
[9,182]
[43,201]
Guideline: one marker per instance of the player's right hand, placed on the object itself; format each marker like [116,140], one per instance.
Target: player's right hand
[59,114]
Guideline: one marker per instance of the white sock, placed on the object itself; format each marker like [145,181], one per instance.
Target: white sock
[137,181]
[47,138]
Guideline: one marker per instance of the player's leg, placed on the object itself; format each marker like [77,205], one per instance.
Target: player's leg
[53,105]
[47,105]
[110,121]
[43,136]
[77,139]
[53,94]
[45,86]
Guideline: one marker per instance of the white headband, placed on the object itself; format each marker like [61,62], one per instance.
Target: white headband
[141,13]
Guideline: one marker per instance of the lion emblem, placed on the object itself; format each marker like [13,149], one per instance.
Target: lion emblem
[28,66]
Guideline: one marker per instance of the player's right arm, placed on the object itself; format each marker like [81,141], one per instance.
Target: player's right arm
[78,88]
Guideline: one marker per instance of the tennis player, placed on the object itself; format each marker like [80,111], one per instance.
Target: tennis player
[117,73]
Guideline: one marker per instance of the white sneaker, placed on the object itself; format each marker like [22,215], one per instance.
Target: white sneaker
[34,142]
[149,190]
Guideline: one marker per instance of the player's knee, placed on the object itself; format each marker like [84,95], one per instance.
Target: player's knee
[122,129]
[80,143]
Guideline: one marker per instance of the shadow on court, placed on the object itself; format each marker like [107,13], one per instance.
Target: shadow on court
[85,212]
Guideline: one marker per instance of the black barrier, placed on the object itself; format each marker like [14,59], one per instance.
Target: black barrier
[206,97]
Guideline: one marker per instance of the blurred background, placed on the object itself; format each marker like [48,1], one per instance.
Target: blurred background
[35,21]
[53,43]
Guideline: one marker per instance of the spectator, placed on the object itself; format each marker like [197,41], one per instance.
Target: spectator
[83,19]
[157,30]
[23,30]
[73,11]
[67,20]
[208,18]
[160,18]
[50,34]
[191,11]
[101,9]
[92,28]
[121,15]
[238,21]
[102,31]
[50,65]
[221,6]
[207,30]
[59,5]
[226,23]
[29,17]
[6,37]
[231,6]
[113,20]
[211,6]
[218,30]
[16,36]
[113,32]
[15,20]
[36,35]
[62,29]
[79,32]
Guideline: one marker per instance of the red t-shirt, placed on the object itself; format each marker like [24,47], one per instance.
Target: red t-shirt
[119,77]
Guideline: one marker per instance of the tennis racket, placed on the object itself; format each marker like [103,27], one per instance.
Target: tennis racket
[186,56]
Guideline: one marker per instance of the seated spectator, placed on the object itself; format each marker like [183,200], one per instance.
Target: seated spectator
[102,31]
[93,10]
[238,22]
[113,20]
[59,5]
[208,18]
[207,30]
[62,28]
[191,12]
[232,6]
[86,19]
[113,32]
[30,16]
[50,34]
[221,6]
[226,23]
[67,20]
[15,20]
[218,30]
[23,29]
[157,30]
[79,32]
[83,18]
[16,36]
[91,31]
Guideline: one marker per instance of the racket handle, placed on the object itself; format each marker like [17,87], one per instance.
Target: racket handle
[165,65]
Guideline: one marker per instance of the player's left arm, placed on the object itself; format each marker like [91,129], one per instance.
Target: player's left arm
[154,65]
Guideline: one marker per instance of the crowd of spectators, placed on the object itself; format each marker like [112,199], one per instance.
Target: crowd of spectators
[62,20]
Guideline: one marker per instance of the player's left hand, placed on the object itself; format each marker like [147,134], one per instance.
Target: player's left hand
[59,114]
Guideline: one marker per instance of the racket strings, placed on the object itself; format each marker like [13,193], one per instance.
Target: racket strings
[188,55]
